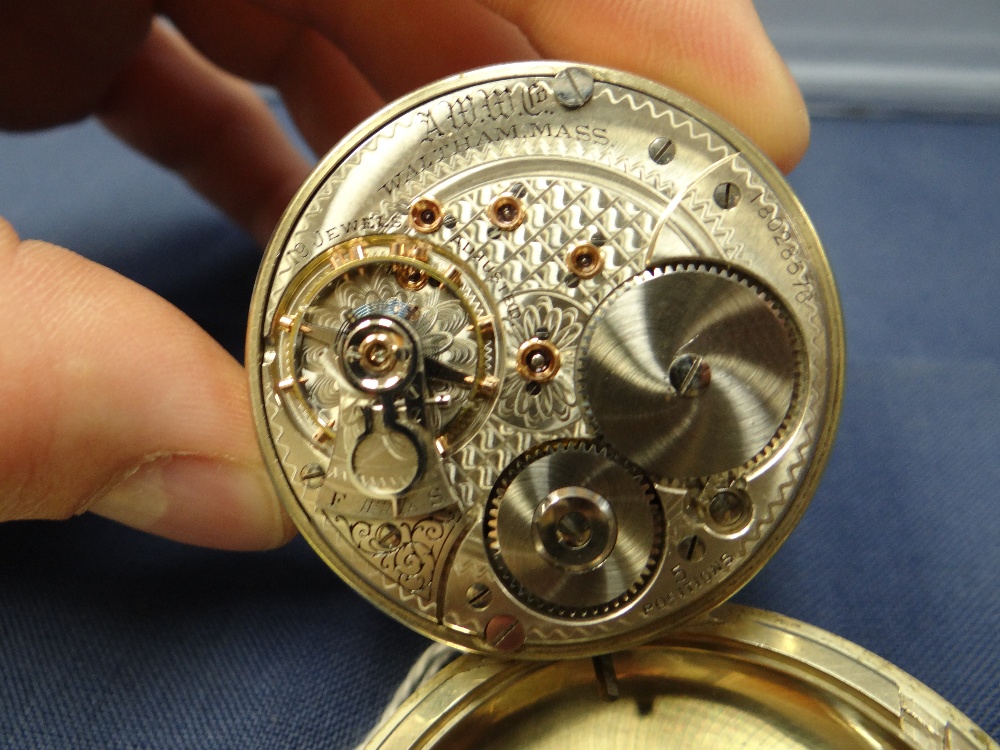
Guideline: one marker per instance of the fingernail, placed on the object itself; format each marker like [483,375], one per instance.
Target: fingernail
[210,502]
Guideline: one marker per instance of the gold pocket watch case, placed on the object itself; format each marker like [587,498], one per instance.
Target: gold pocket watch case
[737,677]
[546,362]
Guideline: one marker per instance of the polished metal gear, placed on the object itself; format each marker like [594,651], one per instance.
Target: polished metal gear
[691,370]
[572,531]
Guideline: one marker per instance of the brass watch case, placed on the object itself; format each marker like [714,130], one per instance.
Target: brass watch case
[736,677]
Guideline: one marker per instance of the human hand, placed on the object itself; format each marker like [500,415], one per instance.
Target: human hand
[114,401]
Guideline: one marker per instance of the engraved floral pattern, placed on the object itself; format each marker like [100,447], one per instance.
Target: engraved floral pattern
[543,406]
[442,327]
[405,551]
[440,324]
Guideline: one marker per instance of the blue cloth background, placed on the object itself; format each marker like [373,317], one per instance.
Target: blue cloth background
[109,638]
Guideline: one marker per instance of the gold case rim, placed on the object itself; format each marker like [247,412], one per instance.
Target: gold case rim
[871,702]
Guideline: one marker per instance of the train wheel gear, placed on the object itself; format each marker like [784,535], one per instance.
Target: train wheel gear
[573,532]
[691,370]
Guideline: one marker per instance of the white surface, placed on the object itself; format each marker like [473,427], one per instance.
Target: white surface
[887,57]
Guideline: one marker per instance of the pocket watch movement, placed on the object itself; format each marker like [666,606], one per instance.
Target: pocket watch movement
[546,360]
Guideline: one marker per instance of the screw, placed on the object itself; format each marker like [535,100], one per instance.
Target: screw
[691,548]
[376,355]
[573,530]
[505,633]
[479,595]
[690,375]
[662,150]
[312,475]
[729,509]
[726,195]
[574,87]
[388,536]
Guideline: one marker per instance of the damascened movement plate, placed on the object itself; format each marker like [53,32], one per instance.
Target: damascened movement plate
[546,360]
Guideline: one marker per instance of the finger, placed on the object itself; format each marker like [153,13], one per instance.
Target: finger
[57,58]
[324,92]
[209,126]
[717,53]
[114,401]
[402,44]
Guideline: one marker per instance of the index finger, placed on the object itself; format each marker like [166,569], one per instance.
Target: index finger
[717,53]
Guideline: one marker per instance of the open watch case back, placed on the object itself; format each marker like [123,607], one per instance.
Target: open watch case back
[546,362]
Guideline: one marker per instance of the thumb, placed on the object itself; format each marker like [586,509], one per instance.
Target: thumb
[115,402]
